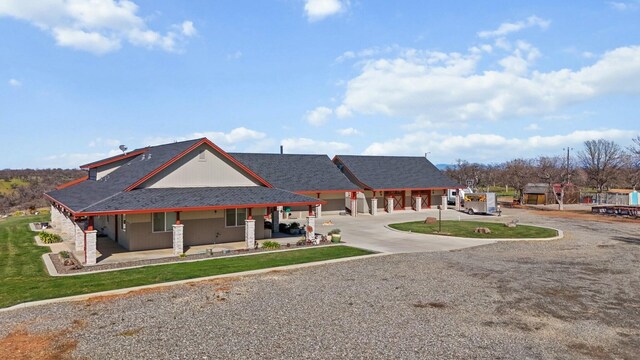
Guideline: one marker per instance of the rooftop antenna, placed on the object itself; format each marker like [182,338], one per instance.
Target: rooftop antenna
[123,148]
[281,149]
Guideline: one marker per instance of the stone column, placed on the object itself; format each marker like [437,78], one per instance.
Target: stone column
[178,241]
[55,217]
[390,204]
[374,206]
[319,211]
[418,201]
[68,228]
[458,205]
[311,228]
[354,207]
[275,221]
[250,233]
[91,247]
[444,202]
[79,237]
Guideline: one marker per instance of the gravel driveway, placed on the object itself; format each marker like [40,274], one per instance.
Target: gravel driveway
[573,298]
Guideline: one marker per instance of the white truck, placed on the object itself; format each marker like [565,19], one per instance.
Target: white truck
[481,203]
[451,195]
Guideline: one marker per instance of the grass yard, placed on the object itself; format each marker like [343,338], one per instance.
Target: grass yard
[466,229]
[23,276]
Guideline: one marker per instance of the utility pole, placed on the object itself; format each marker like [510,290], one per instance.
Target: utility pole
[568,167]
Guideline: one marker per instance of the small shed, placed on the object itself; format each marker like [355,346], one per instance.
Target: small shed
[543,194]
[619,196]
[633,198]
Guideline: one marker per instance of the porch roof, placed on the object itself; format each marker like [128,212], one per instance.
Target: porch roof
[196,198]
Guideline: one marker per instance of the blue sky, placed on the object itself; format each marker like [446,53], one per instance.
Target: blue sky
[481,81]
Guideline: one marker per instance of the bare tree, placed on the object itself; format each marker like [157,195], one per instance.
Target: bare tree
[518,173]
[601,159]
[552,171]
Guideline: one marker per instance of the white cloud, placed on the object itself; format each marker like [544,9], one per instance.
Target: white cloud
[532,127]
[96,26]
[15,83]
[435,87]
[311,146]
[226,140]
[488,147]
[234,56]
[316,10]
[624,6]
[188,29]
[348,132]
[507,28]
[318,116]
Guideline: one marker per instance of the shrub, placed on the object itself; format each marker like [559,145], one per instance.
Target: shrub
[64,254]
[301,242]
[49,238]
[270,245]
[334,231]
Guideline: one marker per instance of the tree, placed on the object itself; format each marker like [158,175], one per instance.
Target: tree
[552,171]
[518,173]
[601,159]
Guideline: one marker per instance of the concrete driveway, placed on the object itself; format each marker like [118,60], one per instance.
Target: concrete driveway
[369,232]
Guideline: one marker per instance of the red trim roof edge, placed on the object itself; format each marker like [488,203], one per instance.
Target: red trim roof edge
[72,182]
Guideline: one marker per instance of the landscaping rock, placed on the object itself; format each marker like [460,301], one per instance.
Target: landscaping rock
[430,220]
[482,230]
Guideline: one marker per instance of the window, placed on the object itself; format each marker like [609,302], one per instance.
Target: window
[163,222]
[123,222]
[235,217]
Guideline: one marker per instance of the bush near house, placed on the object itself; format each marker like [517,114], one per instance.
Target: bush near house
[270,245]
[49,238]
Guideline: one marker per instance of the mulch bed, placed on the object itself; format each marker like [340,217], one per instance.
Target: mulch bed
[75,269]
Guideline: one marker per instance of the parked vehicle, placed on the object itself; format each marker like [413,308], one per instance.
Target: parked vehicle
[481,203]
[451,195]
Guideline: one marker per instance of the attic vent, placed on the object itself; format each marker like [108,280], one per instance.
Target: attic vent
[142,158]
[202,155]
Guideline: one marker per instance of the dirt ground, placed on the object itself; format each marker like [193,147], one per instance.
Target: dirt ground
[574,298]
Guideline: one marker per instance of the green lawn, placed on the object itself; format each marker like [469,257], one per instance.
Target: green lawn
[465,229]
[23,276]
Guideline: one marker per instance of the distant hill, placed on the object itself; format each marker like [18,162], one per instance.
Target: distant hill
[24,189]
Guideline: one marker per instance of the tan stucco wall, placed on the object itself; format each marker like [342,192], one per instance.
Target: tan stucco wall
[200,227]
[191,171]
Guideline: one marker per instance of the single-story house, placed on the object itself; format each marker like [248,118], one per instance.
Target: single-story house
[311,175]
[171,195]
[403,182]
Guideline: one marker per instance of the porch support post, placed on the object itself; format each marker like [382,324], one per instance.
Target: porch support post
[458,203]
[354,204]
[374,206]
[275,220]
[418,201]
[311,228]
[79,237]
[444,202]
[56,217]
[91,248]
[178,233]
[250,233]
[390,204]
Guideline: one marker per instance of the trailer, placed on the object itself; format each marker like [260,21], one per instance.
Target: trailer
[481,203]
